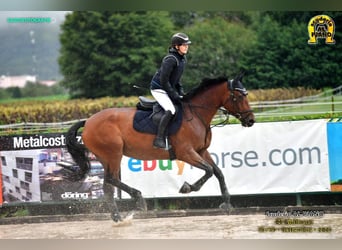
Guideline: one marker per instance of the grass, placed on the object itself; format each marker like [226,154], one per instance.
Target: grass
[13,212]
[321,108]
[38,98]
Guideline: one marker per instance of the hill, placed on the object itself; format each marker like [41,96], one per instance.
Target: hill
[29,48]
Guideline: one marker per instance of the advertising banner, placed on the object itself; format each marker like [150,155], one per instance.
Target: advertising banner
[32,168]
[1,199]
[279,157]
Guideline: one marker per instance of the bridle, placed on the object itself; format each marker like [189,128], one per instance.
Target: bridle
[242,116]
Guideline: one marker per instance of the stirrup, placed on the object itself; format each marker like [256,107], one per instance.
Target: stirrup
[167,145]
[162,143]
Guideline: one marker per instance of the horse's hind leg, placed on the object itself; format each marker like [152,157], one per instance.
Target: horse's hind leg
[108,190]
[111,161]
[134,193]
[108,187]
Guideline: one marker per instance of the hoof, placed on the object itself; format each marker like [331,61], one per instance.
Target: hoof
[227,207]
[141,204]
[126,221]
[129,216]
[116,217]
[185,189]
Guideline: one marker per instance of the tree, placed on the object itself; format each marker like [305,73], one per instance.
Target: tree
[264,63]
[105,53]
[283,58]
[14,92]
[182,19]
[216,49]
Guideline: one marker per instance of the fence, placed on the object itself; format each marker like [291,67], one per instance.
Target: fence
[327,102]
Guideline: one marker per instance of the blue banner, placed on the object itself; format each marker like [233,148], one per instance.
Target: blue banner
[334,133]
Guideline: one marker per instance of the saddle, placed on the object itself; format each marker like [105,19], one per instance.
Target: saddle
[146,103]
[149,113]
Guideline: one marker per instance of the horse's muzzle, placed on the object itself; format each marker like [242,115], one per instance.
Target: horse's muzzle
[248,120]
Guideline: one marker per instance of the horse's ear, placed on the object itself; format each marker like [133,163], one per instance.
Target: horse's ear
[239,77]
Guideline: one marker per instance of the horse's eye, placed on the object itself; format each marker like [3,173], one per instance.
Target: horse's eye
[240,97]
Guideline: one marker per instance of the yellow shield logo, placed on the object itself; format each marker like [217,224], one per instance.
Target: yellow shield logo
[321,27]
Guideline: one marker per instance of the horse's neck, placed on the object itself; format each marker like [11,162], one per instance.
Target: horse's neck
[205,105]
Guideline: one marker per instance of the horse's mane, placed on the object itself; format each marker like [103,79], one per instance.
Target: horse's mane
[205,84]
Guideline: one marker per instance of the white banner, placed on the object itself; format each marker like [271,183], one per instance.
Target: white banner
[278,157]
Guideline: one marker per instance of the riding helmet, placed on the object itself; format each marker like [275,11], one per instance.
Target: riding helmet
[180,38]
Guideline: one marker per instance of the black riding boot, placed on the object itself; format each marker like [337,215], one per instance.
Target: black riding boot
[159,141]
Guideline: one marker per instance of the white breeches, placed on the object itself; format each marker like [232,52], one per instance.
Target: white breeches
[164,100]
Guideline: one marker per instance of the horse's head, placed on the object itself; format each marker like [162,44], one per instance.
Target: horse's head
[237,103]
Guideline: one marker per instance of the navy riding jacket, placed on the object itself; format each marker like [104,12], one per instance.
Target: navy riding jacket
[169,74]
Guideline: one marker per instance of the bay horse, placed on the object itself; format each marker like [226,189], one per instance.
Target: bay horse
[109,134]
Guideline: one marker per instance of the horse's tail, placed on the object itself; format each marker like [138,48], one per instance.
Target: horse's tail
[78,152]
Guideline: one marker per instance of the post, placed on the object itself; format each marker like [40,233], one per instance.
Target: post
[298,200]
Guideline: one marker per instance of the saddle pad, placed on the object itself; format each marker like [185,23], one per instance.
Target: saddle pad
[144,124]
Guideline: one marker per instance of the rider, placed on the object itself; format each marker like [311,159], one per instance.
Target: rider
[165,85]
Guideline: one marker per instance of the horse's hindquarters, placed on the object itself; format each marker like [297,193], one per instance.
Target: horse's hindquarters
[110,134]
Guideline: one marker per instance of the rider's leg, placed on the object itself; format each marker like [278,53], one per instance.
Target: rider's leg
[166,103]
[160,140]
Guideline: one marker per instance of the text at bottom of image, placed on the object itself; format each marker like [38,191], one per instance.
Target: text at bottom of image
[295,222]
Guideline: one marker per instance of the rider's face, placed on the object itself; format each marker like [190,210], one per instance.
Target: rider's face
[183,49]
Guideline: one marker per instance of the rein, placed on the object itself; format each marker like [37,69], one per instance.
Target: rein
[192,109]
[225,121]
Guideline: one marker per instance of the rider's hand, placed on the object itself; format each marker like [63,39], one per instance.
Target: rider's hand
[178,98]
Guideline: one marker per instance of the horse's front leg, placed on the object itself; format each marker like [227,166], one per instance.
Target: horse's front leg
[197,161]
[219,175]
[206,163]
